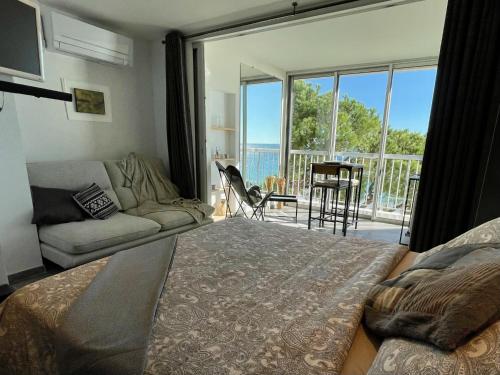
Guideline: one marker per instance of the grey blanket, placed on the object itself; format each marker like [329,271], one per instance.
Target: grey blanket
[442,300]
[156,193]
[107,329]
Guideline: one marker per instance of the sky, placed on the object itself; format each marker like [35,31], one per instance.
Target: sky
[410,105]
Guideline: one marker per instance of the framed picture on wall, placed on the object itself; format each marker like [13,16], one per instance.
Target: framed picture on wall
[91,102]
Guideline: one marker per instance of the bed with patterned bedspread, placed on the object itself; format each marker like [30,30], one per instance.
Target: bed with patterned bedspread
[242,297]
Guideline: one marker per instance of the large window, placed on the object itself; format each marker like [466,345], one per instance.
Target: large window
[408,120]
[359,126]
[312,113]
[311,130]
[353,120]
[412,92]
[261,131]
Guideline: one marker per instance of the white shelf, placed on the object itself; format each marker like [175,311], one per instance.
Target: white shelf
[223,129]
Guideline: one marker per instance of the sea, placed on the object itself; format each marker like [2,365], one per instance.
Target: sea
[262,161]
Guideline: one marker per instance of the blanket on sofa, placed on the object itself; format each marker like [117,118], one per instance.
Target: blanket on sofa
[155,193]
[243,297]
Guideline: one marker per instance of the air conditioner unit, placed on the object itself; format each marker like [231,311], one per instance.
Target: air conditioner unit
[76,37]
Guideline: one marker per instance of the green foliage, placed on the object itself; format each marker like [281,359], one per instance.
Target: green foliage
[312,117]
[358,127]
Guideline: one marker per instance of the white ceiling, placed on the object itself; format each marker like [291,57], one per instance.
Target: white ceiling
[152,18]
[398,33]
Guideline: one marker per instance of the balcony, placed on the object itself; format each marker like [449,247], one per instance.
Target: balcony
[395,174]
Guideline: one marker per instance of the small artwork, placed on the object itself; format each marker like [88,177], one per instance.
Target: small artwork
[89,101]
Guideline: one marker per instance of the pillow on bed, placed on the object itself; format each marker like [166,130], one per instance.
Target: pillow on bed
[488,232]
[443,300]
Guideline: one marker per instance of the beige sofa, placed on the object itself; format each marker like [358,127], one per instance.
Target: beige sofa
[72,244]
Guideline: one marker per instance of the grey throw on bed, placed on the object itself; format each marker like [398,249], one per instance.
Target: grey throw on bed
[107,329]
[442,300]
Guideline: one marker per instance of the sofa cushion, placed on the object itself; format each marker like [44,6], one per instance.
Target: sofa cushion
[170,219]
[90,235]
[71,175]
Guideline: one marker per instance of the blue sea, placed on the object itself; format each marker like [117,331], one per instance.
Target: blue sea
[261,163]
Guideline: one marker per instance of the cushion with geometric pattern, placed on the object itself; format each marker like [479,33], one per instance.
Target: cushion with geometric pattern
[96,202]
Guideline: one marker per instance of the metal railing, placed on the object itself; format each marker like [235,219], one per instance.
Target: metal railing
[260,163]
[396,171]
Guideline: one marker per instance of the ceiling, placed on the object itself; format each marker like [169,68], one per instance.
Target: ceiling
[402,32]
[152,18]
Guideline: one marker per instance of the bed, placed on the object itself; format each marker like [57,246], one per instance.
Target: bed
[242,297]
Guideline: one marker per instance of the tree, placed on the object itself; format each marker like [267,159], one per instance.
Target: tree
[312,117]
[358,127]
[358,130]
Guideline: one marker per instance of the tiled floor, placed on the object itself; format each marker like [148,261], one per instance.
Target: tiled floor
[368,229]
[50,269]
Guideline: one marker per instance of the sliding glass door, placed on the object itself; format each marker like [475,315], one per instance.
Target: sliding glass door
[311,128]
[359,127]
[408,120]
[377,118]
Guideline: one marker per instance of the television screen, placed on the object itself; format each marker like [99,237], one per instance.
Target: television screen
[20,39]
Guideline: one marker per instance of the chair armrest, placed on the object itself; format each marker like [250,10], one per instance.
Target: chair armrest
[266,198]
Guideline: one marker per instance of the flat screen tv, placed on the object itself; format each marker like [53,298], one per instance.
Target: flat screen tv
[21,49]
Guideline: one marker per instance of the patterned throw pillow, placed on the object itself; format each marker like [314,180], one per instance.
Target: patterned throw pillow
[95,202]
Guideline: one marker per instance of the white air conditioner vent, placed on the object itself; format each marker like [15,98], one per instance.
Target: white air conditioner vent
[76,37]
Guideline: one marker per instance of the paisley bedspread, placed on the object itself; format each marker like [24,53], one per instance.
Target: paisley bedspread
[243,297]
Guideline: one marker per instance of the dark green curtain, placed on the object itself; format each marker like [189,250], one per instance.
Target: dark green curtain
[462,127]
[179,132]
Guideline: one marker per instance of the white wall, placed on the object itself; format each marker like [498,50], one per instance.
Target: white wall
[18,238]
[49,135]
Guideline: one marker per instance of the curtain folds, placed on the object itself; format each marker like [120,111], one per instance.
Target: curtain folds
[462,125]
[179,131]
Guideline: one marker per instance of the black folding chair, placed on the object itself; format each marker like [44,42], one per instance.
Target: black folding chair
[252,197]
[226,185]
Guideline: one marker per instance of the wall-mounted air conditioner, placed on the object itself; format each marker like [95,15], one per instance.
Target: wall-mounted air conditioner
[76,37]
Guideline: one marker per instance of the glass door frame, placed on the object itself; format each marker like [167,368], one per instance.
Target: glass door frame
[244,119]
[337,73]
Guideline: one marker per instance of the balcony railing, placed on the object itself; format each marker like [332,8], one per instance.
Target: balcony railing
[396,172]
[260,163]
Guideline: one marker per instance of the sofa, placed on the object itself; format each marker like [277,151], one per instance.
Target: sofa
[75,243]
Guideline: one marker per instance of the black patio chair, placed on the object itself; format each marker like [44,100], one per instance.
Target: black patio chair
[251,197]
